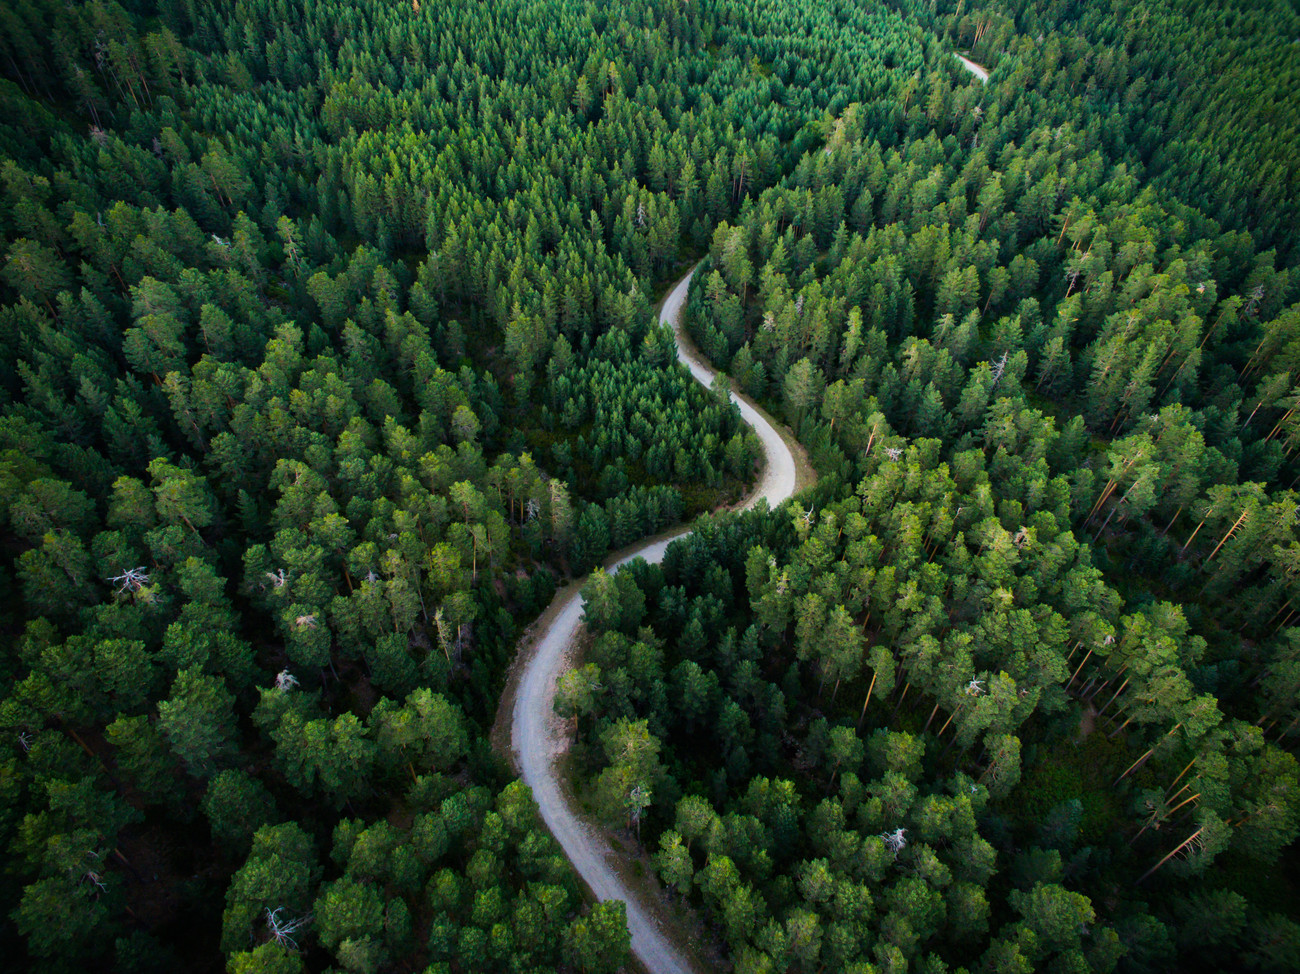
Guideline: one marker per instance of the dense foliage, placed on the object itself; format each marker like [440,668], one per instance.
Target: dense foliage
[1022,669]
[1199,96]
[327,348]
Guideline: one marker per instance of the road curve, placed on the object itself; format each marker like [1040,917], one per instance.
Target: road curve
[537,736]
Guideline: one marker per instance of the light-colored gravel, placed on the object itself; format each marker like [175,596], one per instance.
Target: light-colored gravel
[976,69]
[537,735]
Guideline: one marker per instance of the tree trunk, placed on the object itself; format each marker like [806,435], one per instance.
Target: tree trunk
[1181,846]
[899,707]
[949,720]
[1139,761]
[1113,696]
[1080,666]
[1193,537]
[1229,534]
[929,719]
[1118,505]
[870,687]
[1183,772]
[1190,798]
[1101,499]
[1120,727]
[1284,418]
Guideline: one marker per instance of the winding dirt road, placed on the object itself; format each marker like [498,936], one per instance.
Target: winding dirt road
[538,737]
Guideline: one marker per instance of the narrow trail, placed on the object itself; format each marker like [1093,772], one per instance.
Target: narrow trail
[538,736]
[976,69]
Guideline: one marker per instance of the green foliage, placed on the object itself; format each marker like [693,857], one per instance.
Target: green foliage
[598,943]
[280,873]
[267,958]
[197,720]
[237,805]
[327,347]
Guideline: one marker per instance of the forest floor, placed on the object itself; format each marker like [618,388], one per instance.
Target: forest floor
[535,739]
[1088,722]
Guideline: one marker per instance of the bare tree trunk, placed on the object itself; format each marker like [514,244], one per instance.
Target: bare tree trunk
[1194,534]
[870,687]
[1112,699]
[949,721]
[1229,534]
[899,707]
[1181,846]
[1284,418]
[1132,766]
[929,719]
[1080,666]
[1118,505]
[1183,772]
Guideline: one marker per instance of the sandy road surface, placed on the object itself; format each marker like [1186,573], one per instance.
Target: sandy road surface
[537,736]
[978,70]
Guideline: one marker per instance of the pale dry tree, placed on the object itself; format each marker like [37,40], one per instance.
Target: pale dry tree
[278,579]
[1256,296]
[284,680]
[894,453]
[282,931]
[131,579]
[90,875]
[444,639]
[638,800]
[999,367]
[895,841]
[975,687]
[306,621]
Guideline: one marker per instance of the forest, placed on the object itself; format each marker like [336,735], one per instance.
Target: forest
[329,351]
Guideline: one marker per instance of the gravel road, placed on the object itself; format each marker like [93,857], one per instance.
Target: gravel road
[978,70]
[537,736]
